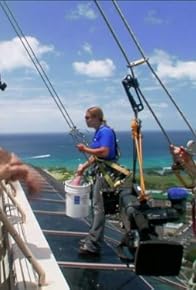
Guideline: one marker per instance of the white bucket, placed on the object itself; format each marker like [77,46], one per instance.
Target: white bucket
[77,199]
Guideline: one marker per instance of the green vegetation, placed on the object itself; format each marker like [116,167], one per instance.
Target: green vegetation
[191,254]
[161,182]
[61,173]
[152,179]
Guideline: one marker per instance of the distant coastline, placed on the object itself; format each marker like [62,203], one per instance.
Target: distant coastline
[153,180]
[58,150]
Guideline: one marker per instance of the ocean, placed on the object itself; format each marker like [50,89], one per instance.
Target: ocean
[53,150]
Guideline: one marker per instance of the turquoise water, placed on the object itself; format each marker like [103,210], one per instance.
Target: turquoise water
[59,150]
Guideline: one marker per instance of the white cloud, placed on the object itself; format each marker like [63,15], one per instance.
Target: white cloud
[87,48]
[160,105]
[151,88]
[95,68]
[14,56]
[31,115]
[169,67]
[82,10]
[153,18]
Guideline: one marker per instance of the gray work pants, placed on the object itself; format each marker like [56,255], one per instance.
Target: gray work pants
[96,233]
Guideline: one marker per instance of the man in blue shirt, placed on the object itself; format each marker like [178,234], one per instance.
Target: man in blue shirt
[103,146]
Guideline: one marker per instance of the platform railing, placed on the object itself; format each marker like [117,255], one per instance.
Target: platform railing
[4,269]
[6,190]
[10,190]
[192,281]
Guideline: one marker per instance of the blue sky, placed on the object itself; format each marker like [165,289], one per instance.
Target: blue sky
[86,67]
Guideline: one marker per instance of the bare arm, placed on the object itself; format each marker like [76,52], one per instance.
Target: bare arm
[12,169]
[98,152]
[85,165]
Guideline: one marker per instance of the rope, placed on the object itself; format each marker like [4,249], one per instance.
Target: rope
[74,131]
[136,133]
[137,90]
[113,34]
[131,33]
[35,61]
[154,115]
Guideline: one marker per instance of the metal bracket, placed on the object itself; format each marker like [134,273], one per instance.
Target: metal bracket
[128,83]
[138,62]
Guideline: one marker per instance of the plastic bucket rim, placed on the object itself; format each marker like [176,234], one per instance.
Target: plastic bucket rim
[85,185]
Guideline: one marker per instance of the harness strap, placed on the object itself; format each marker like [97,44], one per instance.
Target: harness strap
[102,163]
[106,175]
[117,167]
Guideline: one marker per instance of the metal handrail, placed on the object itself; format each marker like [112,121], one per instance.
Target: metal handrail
[11,193]
[22,246]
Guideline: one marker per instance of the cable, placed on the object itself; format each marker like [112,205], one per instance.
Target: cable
[113,34]
[78,136]
[131,33]
[36,63]
[137,90]
[74,132]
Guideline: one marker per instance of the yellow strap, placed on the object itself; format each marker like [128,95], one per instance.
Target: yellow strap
[118,167]
[106,175]
[113,165]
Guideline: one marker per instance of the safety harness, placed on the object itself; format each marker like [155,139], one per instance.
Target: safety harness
[119,172]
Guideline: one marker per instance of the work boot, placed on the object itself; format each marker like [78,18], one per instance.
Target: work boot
[85,250]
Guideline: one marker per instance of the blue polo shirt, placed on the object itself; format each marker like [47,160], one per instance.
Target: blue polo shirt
[104,137]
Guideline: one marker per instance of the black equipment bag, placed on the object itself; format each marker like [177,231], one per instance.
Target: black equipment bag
[158,258]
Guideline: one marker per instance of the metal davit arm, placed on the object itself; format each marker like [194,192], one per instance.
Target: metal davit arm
[23,247]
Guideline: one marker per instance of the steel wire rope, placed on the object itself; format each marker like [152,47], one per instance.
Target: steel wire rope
[123,52]
[131,33]
[74,131]
[132,72]
[156,118]
[138,91]
[113,34]
[127,60]
[37,65]
[118,43]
